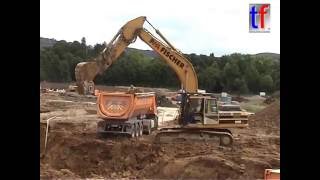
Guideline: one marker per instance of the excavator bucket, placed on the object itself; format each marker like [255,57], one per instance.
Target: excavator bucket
[85,72]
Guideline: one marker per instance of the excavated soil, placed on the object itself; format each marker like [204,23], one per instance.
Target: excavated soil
[268,119]
[74,152]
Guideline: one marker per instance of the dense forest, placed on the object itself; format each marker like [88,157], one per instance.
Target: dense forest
[236,73]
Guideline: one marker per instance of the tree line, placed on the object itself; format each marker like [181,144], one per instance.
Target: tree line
[235,73]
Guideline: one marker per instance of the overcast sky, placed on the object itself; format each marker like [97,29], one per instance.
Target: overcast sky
[193,26]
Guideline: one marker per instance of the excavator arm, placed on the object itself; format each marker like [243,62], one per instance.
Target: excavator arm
[86,71]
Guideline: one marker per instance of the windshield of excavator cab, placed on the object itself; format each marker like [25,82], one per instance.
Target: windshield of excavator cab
[211,106]
[195,105]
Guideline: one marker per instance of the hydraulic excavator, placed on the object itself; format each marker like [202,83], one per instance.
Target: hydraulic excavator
[199,115]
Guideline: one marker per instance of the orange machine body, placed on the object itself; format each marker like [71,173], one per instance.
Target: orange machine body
[123,106]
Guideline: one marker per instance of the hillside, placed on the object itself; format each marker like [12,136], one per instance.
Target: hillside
[46,42]
[148,53]
[269,55]
[230,73]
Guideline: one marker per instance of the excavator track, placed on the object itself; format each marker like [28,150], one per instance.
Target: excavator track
[177,135]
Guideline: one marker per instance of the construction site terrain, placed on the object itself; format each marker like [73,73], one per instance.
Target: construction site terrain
[73,150]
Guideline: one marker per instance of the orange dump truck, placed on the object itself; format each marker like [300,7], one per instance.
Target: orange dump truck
[126,113]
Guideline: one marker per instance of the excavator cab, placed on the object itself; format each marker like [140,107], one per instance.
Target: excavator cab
[211,111]
[202,110]
[199,119]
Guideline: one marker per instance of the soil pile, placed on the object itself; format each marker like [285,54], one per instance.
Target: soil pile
[81,155]
[86,156]
[269,100]
[268,118]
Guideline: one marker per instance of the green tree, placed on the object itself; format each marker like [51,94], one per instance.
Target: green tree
[252,78]
[231,73]
[210,78]
[236,72]
[241,86]
[266,83]
[84,47]
[83,41]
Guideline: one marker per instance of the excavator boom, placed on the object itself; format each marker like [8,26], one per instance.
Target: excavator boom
[86,71]
[180,64]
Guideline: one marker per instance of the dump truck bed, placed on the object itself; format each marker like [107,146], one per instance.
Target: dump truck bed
[123,106]
[126,113]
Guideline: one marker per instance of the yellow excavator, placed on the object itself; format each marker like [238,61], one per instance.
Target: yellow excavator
[199,115]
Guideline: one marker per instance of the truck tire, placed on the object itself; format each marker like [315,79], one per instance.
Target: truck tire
[156,122]
[140,129]
[148,132]
[136,129]
[133,132]
[99,135]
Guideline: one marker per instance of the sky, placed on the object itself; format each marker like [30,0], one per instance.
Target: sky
[192,26]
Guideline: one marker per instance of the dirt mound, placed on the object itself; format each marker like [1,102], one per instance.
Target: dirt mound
[268,118]
[44,109]
[43,127]
[197,167]
[274,97]
[87,156]
[47,172]
[81,155]
[269,100]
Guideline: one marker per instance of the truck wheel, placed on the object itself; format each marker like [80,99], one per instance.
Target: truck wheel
[133,132]
[99,135]
[156,122]
[148,130]
[136,130]
[140,129]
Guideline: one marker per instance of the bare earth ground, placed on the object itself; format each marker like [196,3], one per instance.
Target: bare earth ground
[73,151]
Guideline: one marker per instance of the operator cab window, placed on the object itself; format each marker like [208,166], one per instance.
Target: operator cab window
[211,106]
[196,109]
[195,105]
